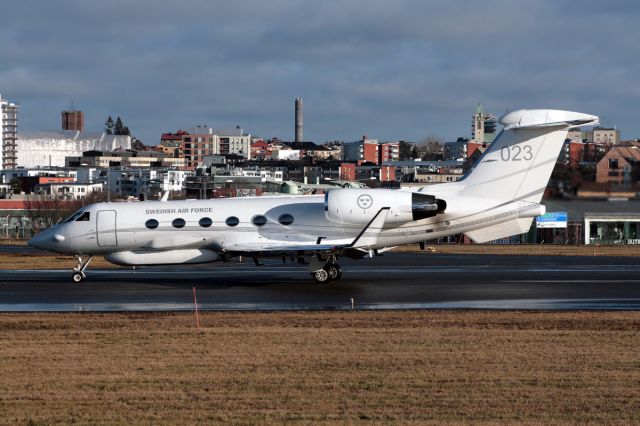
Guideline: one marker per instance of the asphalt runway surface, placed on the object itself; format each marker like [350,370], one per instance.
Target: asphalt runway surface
[391,281]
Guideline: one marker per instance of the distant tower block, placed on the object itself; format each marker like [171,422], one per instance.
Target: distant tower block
[73,120]
[299,120]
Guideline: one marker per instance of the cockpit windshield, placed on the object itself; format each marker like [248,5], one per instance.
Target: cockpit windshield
[73,217]
[84,217]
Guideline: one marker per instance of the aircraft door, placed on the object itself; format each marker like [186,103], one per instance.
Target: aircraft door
[106,228]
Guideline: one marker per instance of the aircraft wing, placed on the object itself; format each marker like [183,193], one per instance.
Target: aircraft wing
[290,248]
[376,224]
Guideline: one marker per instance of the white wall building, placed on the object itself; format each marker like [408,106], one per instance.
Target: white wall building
[49,149]
[133,182]
[285,154]
[8,133]
[69,190]
[265,175]
[237,144]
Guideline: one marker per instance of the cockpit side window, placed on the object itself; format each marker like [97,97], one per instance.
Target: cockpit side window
[84,217]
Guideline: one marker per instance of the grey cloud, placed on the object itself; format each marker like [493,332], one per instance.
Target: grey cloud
[402,69]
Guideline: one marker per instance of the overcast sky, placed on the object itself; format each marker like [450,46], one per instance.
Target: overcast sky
[388,69]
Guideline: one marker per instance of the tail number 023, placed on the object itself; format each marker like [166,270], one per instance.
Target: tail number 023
[516,153]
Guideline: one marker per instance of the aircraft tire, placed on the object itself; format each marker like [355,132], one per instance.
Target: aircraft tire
[335,272]
[321,276]
[77,277]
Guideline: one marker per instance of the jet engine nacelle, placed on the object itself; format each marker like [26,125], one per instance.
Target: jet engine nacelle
[359,206]
[167,257]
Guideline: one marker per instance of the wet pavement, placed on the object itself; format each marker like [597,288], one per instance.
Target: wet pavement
[392,281]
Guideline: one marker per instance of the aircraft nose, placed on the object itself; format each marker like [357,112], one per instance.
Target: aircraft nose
[45,240]
[37,242]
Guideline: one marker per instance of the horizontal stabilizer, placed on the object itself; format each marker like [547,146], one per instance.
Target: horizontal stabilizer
[536,118]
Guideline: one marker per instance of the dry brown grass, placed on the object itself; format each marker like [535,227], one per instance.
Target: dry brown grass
[12,242]
[528,249]
[57,261]
[387,367]
[11,261]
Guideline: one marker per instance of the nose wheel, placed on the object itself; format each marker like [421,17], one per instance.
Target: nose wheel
[78,272]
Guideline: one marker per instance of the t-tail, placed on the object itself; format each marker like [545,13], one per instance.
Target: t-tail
[516,168]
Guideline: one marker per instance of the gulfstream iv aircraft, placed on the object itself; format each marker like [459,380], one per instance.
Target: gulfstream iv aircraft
[499,198]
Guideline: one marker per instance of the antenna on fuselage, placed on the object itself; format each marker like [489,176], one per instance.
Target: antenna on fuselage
[165,196]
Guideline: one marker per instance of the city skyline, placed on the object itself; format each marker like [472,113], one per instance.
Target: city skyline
[402,70]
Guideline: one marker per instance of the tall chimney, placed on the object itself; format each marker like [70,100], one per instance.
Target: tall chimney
[298,119]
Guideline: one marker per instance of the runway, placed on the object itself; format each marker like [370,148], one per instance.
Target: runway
[392,281]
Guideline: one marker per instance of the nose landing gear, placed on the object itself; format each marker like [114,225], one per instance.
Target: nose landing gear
[78,272]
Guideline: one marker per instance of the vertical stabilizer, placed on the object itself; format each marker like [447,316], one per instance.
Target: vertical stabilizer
[518,163]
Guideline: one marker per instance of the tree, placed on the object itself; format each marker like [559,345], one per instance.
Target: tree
[431,149]
[43,210]
[108,126]
[137,145]
[406,150]
[119,127]
[415,152]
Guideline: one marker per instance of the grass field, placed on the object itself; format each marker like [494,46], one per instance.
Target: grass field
[420,367]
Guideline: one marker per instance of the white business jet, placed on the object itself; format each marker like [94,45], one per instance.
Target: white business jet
[499,198]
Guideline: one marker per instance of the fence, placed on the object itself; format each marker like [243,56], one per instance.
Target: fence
[15,227]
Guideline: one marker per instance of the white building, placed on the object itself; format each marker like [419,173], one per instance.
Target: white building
[285,154]
[8,133]
[49,149]
[68,190]
[133,182]
[238,145]
[264,175]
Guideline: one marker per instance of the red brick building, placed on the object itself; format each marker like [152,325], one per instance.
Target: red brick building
[389,151]
[348,171]
[190,146]
[73,120]
[260,150]
[370,151]
[387,173]
[618,163]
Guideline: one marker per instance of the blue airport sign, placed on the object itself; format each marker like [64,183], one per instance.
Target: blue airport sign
[552,220]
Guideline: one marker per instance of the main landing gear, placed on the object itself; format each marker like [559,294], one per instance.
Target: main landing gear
[325,270]
[78,272]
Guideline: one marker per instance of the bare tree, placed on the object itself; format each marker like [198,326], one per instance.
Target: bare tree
[43,210]
[431,148]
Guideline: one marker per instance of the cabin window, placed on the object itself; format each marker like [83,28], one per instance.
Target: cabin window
[178,223]
[285,219]
[84,217]
[232,221]
[205,222]
[259,220]
[151,224]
